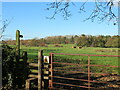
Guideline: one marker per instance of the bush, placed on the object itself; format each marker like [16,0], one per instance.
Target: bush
[8,66]
[12,72]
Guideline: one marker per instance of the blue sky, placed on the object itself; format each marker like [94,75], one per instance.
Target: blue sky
[30,19]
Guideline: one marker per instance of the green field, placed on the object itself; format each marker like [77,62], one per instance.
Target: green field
[64,70]
[67,48]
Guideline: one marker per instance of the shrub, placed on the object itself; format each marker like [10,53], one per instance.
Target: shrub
[8,66]
[12,72]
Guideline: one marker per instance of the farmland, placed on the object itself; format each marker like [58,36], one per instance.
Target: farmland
[76,66]
[77,59]
[67,48]
[54,49]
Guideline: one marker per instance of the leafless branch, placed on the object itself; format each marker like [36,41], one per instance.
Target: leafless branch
[60,7]
[102,11]
[4,25]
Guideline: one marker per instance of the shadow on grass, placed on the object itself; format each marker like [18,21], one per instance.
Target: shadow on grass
[112,84]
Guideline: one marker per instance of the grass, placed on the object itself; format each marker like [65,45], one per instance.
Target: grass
[32,51]
[67,48]
[97,60]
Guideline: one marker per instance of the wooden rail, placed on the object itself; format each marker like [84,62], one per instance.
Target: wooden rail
[33,64]
[28,83]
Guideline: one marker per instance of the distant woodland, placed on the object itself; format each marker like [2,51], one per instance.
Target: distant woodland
[79,40]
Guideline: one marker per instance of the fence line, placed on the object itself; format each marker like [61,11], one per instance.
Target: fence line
[53,62]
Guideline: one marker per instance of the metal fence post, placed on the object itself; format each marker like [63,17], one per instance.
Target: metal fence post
[88,72]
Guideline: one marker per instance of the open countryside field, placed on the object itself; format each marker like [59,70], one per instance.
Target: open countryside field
[74,70]
[60,45]
[67,48]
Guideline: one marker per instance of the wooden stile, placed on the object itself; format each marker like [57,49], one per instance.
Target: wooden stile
[41,72]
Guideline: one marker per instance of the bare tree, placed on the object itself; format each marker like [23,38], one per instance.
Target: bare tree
[4,24]
[102,10]
[2,29]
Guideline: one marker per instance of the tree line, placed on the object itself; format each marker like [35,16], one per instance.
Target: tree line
[79,40]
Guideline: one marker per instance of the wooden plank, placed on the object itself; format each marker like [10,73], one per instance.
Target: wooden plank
[46,66]
[33,76]
[46,72]
[30,79]
[28,86]
[33,68]
[33,64]
[46,77]
[34,71]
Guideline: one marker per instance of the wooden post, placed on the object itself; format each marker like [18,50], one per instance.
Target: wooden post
[18,44]
[25,58]
[28,83]
[46,73]
[40,60]
[51,70]
[19,81]
[25,71]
